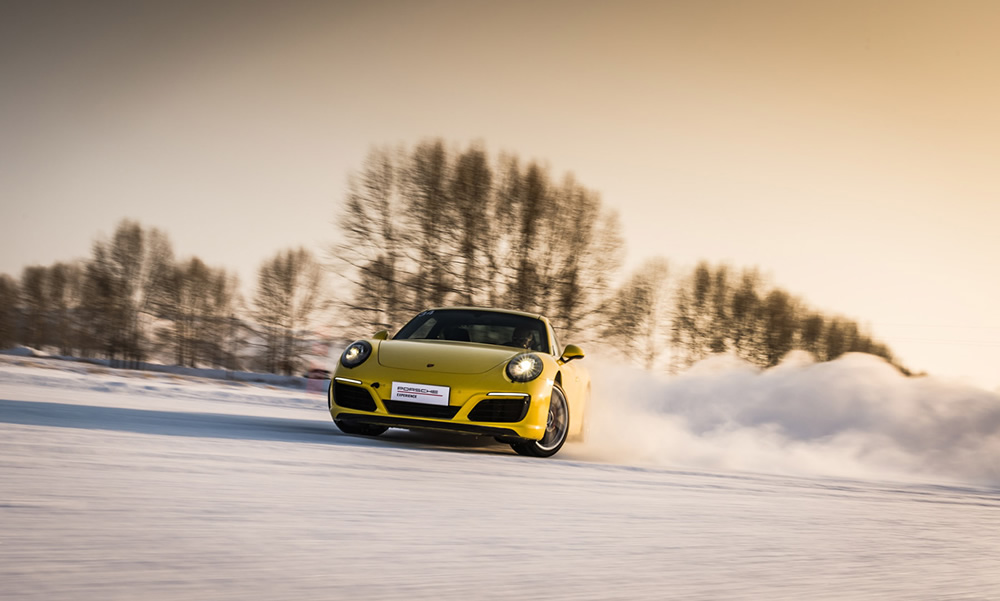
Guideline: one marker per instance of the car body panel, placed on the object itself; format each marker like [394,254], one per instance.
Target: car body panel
[441,356]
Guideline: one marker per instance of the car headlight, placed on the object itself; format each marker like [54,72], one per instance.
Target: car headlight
[356,354]
[524,367]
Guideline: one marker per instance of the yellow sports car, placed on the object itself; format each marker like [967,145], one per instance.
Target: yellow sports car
[471,370]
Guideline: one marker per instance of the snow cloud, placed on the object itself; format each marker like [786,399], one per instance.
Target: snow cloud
[853,417]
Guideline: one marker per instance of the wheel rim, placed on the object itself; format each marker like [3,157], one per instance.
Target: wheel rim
[557,424]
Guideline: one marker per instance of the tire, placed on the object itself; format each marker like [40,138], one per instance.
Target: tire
[555,432]
[360,429]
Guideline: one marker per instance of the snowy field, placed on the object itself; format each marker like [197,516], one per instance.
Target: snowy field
[127,485]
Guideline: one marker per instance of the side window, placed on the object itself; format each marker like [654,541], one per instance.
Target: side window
[424,328]
[556,349]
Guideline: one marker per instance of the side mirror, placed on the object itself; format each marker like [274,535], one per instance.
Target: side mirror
[572,352]
[381,335]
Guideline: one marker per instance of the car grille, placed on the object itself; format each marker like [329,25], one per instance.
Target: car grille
[499,410]
[421,409]
[353,397]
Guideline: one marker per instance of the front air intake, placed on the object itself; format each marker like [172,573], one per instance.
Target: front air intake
[421,409]
[352,397]
[499,410]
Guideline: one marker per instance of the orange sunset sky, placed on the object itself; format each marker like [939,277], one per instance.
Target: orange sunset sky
[848,149]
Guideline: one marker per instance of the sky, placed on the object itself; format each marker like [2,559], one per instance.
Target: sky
[847,149]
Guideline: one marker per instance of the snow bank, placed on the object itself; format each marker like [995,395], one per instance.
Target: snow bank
[197,372]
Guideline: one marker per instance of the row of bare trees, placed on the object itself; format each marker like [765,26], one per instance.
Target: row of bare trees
[717,309]
[421,227]
[434,226]
[132,300]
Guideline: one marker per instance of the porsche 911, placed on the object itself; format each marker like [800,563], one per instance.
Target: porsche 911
[487,372]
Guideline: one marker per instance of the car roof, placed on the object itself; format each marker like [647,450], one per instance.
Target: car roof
[494,310]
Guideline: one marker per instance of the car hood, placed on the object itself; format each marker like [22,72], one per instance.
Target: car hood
[442,356]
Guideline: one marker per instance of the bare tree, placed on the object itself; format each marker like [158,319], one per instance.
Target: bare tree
[9,303]
[222,330]
[35,300]
[65,291]
[430,219]
[780,323]
[812,326]
[121,283]
[638,316]
[745,316]
[499,246]
[371,255]
[473,201]
[289,295]
[198,303]
[695,325]
[587,253]
[527,201]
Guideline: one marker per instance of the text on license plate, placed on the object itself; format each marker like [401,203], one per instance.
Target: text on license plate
[420,393]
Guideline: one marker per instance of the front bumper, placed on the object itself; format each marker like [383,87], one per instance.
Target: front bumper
[394,421]
[473,409]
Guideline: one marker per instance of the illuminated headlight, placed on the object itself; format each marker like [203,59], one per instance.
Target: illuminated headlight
[356,354]
[524,367]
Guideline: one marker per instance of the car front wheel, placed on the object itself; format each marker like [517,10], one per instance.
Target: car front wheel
[556,428]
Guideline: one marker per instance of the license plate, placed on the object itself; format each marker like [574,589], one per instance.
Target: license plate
[420,393]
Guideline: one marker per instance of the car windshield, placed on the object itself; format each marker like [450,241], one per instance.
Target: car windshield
[485,327]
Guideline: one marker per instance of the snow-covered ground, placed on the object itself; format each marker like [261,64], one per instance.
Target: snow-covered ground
[130,485]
